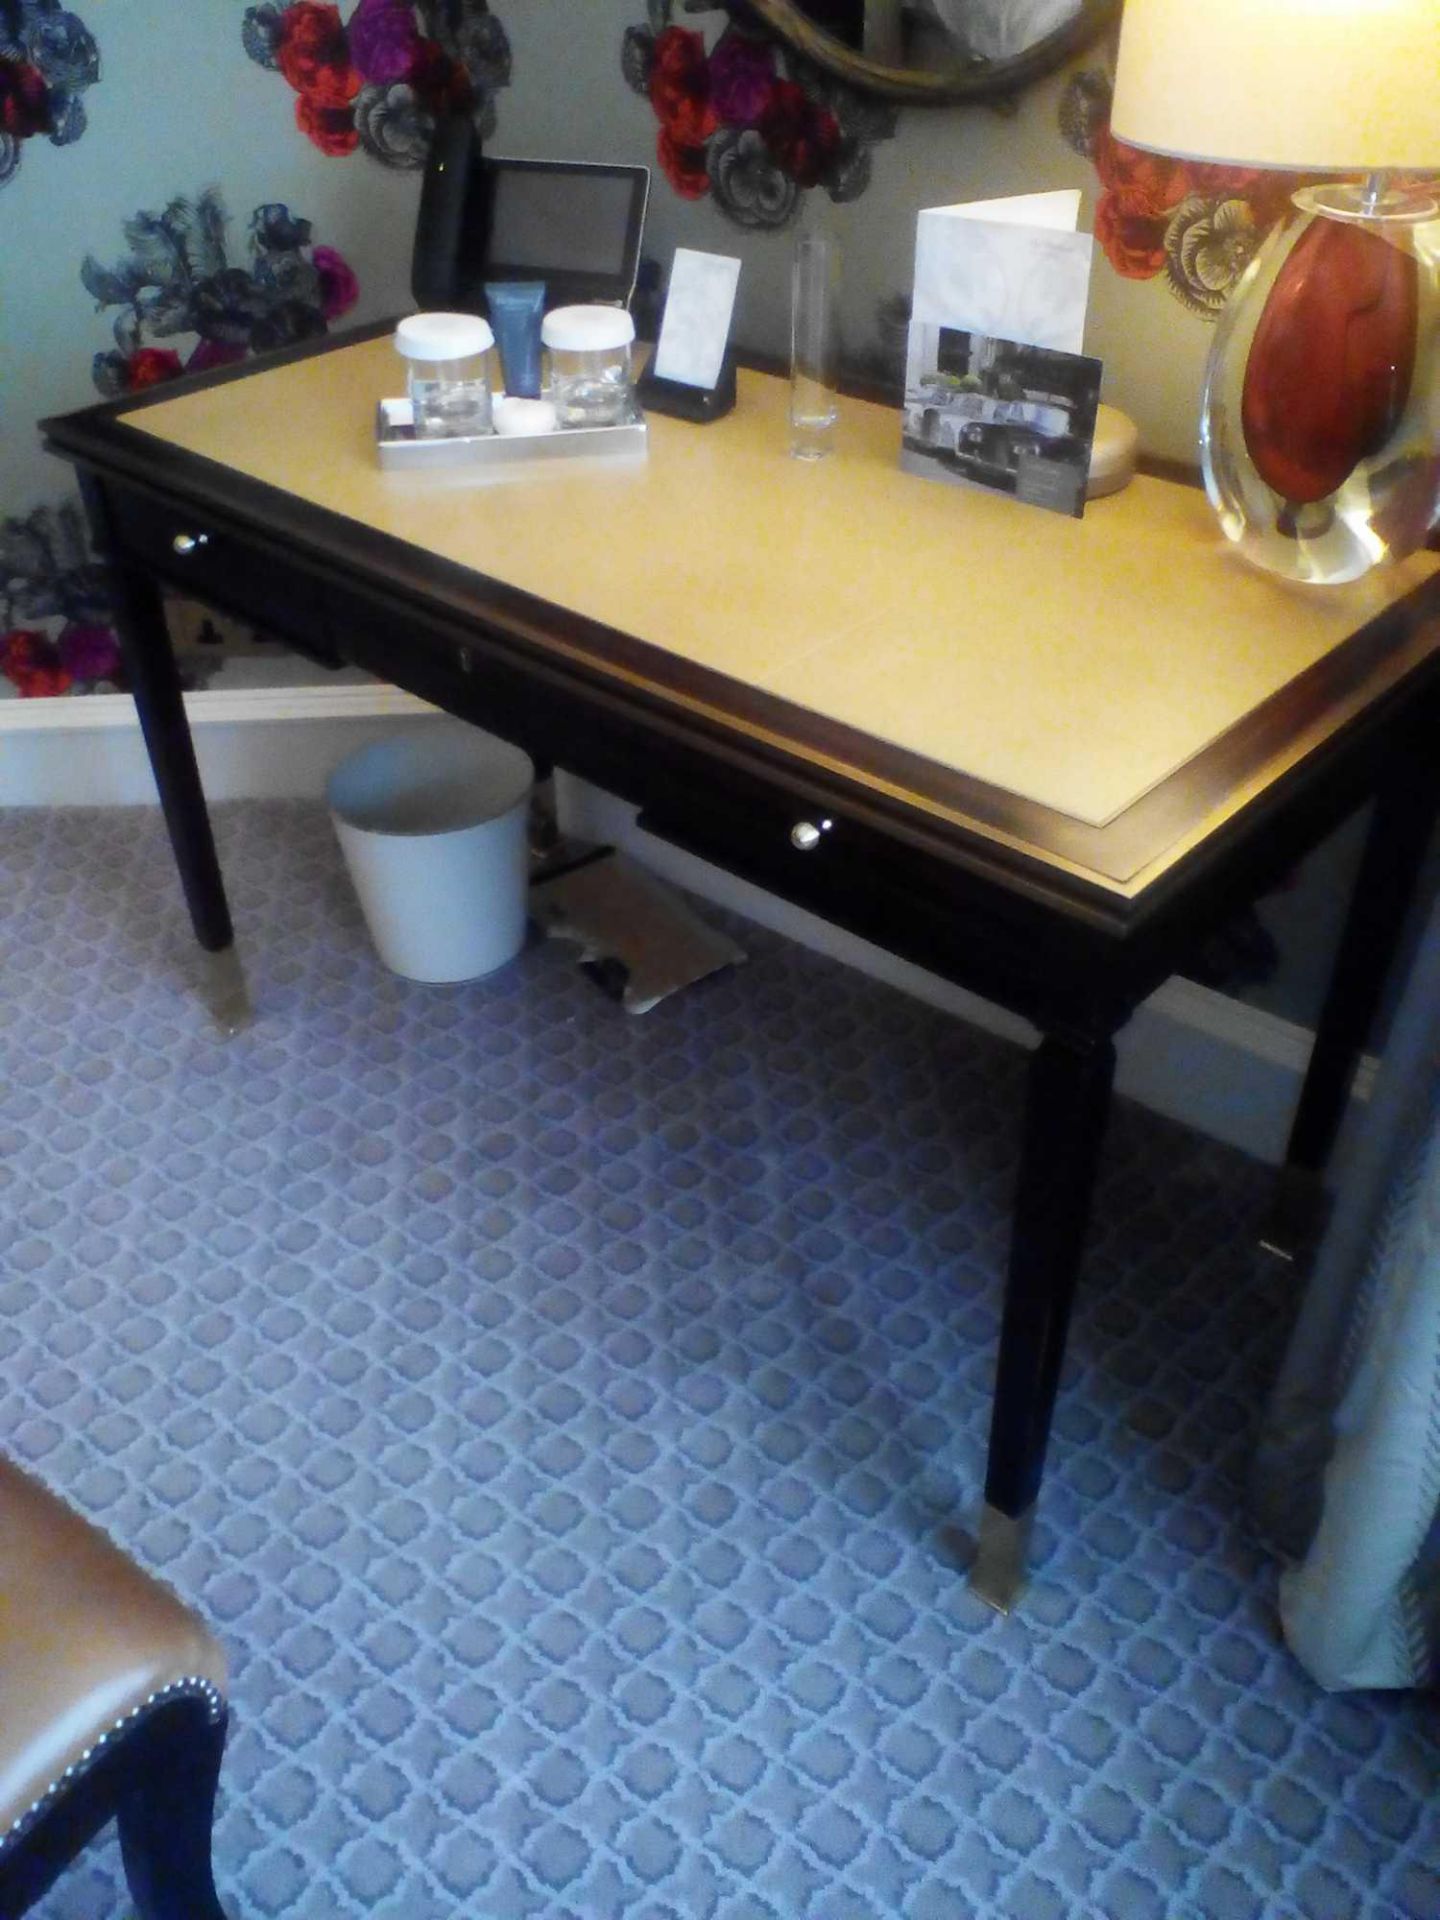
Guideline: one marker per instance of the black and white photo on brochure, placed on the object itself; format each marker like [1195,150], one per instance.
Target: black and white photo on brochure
[1000,414]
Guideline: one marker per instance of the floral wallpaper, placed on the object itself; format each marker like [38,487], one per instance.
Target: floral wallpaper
[175,283]
[55,632]
[376,82]
[177,280]
[1197,226]
[750,125]
[745,119]
[182,286]
[48,57]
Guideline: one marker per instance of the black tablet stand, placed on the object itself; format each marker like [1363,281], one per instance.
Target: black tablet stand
[700,404]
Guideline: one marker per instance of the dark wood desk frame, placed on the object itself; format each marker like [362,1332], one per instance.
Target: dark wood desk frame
[927,863]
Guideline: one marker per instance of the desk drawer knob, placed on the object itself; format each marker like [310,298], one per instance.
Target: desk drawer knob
[188,542]
[806,835]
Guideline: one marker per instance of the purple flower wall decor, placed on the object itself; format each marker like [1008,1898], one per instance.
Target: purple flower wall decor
[177,281]
[48,57]
[747,120]
[56,621]
[55,633]
[378,82]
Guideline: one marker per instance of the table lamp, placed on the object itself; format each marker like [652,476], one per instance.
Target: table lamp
[1320,417]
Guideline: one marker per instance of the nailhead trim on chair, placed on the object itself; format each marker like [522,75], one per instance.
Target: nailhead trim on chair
[193,1686]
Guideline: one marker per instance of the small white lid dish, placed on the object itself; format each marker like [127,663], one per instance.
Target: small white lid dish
[443,336]
[587,329]
[514,413]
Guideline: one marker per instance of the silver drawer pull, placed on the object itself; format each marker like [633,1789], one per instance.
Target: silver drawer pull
[806,835]
[188,542]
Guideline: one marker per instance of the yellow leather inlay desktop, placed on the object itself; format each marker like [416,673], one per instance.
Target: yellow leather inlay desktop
[1075,663]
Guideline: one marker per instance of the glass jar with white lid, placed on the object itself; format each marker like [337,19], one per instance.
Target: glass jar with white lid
[590,364]
[447,375]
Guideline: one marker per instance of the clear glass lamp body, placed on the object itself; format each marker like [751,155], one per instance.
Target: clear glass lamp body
[1320,419]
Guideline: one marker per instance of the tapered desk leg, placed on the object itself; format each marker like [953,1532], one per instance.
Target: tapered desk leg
[155,681]
[1067,1101]
[1395,847]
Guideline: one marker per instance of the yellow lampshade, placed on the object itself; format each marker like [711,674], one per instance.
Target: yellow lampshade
[1315,86]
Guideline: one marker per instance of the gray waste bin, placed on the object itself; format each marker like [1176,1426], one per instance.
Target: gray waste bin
[432,823]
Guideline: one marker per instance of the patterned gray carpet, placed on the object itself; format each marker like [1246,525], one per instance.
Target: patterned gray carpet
[563,1418]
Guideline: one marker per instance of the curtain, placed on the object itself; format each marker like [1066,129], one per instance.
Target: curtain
[1347,1474]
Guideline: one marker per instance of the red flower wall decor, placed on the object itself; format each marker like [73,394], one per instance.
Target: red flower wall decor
[48,57]
[746,120]
[55,632]
[1198,225]
[378,81]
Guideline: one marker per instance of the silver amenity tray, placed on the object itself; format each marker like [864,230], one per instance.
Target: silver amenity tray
[501,456]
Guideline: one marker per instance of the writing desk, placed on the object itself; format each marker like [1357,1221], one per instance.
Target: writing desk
[1042,757]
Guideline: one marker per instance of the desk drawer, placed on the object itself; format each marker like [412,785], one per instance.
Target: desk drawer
[235,574]
[460,668]
[408,650]
[805,851]
[915,905]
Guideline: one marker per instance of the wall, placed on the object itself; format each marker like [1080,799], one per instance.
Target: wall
[176,102]
[1153,349]
[178,105]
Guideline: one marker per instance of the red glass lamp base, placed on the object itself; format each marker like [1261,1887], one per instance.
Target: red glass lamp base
[1320,451]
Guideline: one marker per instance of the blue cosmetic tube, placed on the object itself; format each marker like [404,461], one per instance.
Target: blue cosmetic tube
[516,308]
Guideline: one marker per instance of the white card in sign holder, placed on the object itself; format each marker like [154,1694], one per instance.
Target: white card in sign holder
[691,373]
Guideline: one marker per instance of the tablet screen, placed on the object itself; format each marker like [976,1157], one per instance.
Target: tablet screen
[567,223]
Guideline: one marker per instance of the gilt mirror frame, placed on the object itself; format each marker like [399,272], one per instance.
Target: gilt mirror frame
[973,79]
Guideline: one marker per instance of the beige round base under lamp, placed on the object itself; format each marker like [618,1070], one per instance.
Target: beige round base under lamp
[1113,453]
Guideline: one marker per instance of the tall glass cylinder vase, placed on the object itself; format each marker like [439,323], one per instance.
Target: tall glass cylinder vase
[814,404]
[1320,422]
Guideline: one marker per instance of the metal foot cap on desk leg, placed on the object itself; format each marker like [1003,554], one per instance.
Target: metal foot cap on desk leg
[1001,1554]
[225,991]
[1298,1211]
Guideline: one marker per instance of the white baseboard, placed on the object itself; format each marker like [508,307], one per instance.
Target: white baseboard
[1227,1068]
[267,743]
